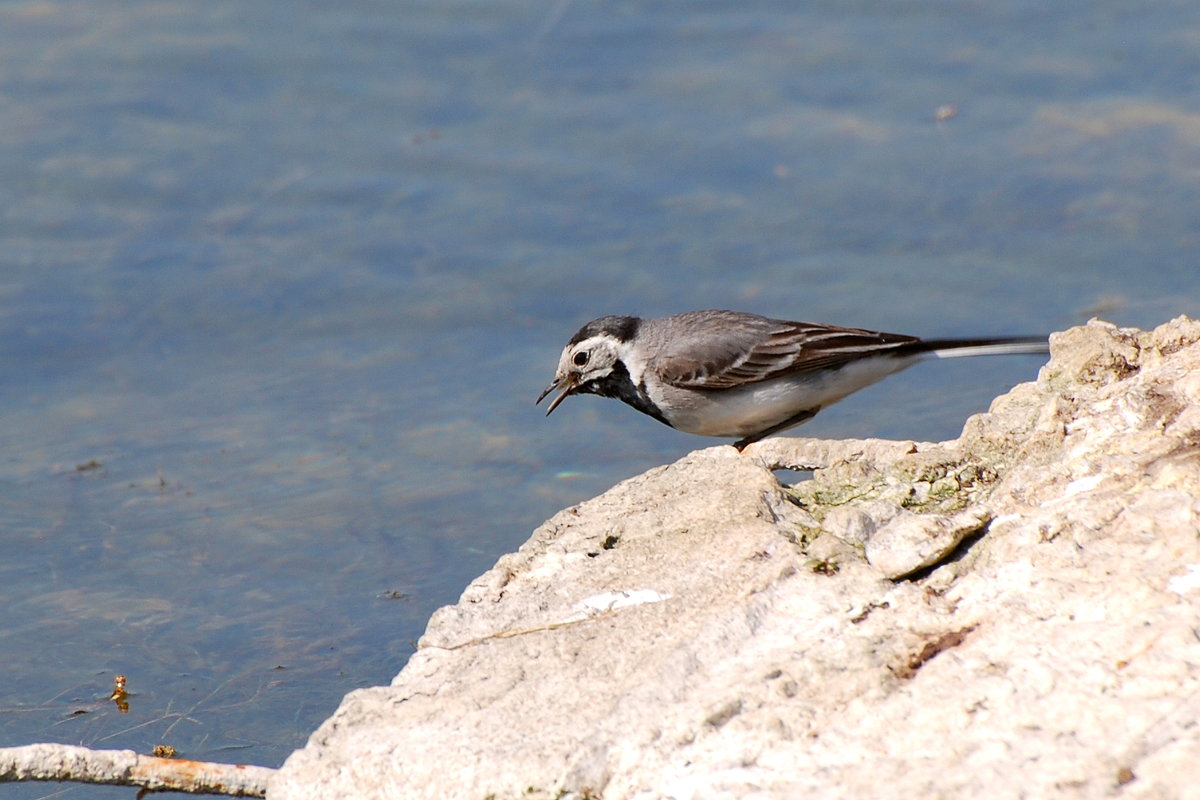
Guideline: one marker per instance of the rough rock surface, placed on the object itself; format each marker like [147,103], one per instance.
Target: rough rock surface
[1015,613]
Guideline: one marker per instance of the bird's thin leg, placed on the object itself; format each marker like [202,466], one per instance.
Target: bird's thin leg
[792,421]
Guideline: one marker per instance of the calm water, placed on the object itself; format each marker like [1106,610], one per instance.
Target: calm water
[279,283]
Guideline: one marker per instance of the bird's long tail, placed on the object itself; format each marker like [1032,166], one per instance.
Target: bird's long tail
[960,348]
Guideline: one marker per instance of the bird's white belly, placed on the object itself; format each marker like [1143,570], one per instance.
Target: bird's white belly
[749,409]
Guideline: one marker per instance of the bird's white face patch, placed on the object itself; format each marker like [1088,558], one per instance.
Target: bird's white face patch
[589,360]
[588,367]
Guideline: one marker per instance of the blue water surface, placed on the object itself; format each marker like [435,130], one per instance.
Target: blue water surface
[279,283]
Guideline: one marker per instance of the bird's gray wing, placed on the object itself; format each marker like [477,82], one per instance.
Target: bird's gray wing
[721,350]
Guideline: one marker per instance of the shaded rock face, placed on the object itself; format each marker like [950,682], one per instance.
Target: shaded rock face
[1015,613]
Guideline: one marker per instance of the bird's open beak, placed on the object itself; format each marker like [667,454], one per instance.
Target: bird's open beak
[568,384]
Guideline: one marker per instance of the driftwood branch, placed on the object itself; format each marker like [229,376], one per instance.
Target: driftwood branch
[61,762]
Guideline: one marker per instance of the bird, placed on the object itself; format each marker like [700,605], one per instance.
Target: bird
[735,374]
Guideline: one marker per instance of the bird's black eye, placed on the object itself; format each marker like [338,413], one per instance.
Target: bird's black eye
[580,358]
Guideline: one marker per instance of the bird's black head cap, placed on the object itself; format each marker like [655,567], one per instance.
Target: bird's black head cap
[622,329]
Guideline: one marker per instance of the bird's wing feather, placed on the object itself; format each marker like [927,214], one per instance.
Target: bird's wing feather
[732,349]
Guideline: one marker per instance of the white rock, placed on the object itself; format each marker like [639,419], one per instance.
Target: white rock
[1056,656]
[909,542]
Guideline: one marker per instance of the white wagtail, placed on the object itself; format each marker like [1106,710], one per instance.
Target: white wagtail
[727,373]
